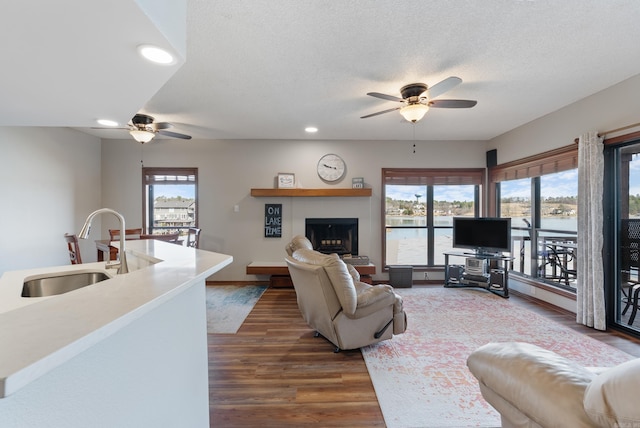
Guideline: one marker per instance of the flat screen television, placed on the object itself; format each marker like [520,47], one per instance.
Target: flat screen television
[484,235]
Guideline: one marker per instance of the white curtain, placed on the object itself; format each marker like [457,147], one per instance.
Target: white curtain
[590,283]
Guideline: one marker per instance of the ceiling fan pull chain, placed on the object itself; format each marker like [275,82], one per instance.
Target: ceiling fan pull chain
[414,137]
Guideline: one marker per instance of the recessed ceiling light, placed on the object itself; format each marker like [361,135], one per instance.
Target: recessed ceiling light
[107,122]
[311,129]
[156,54]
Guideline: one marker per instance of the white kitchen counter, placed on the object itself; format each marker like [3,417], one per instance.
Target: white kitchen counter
[40,334]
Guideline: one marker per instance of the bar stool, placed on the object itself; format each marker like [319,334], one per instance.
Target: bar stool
[169,237]
[193,237]
[74,248]
[114,234]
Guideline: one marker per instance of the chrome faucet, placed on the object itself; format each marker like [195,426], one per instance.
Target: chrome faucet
[84,234]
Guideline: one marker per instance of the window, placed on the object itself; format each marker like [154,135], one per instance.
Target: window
[515,202]
[540,194]
[170,198]
[418,211]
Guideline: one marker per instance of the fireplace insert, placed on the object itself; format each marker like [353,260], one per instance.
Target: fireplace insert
[333,235]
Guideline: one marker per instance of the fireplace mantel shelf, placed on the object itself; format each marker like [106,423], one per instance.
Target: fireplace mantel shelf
[310,192]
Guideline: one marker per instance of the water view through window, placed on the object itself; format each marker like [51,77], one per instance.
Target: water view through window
[419,223]
[553,198]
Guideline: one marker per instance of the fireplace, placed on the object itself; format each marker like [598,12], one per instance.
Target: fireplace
[333,235]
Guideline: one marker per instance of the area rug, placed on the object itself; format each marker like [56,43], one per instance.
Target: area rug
[421,378]
[229,305]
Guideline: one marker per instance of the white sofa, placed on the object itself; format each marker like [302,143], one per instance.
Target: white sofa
[535,387]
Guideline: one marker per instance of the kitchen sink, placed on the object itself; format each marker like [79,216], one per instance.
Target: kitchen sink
[54,284]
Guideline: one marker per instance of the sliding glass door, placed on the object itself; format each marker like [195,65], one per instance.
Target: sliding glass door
[623,164]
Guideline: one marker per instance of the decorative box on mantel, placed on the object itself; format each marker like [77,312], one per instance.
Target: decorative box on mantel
[356,260]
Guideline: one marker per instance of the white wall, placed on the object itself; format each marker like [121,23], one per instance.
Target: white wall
[227,170]
[49,181]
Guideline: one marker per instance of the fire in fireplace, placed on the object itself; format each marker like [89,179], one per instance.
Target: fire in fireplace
[333,235]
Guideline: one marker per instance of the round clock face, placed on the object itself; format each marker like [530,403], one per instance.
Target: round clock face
[331,168]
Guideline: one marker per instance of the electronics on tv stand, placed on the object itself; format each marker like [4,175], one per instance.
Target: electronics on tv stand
[482,271]
[481,253]
[481,279]
[475,266]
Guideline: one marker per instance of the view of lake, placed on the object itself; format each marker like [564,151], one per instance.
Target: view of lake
[408,246]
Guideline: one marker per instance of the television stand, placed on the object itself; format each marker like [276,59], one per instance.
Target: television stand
[480,270]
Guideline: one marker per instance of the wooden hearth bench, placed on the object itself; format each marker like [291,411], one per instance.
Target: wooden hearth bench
[279,273]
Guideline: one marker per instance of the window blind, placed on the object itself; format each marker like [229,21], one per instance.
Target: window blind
[562,159]
[432,176]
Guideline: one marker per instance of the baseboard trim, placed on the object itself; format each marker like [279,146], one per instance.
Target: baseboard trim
[415,281]
[545,287]
[213,283]
[540,302]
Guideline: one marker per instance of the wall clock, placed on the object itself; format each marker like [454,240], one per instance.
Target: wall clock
[331,168]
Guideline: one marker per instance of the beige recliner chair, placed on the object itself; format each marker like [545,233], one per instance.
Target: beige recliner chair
[533,387]
[334,302]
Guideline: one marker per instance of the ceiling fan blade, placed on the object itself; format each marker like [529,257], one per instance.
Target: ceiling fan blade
[380,112]
[443,86]
[385,96]
[175,135]
[162,125]
[452,103]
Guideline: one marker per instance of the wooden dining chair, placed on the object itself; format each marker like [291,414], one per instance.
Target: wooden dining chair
[193,237]
[74,248]
[169,237]
[114,234]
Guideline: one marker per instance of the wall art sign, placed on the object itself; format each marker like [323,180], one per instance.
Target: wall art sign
[272,220]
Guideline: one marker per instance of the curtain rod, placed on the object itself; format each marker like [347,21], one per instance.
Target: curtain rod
[633,125]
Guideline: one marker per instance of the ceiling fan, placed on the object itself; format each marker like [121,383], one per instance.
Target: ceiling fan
[143,129]
[418,98]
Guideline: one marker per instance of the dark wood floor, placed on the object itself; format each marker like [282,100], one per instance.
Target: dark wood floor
[275,373]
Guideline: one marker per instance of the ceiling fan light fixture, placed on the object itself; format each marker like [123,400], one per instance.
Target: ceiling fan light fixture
[414,112]
[142,136]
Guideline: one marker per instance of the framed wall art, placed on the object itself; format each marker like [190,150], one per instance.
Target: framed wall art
[286,180]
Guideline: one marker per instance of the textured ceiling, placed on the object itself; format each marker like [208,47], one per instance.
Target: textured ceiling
[267,69]
[69,62]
